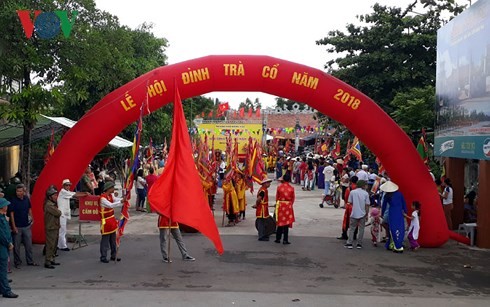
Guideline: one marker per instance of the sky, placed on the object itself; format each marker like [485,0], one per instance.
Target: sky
[285,29]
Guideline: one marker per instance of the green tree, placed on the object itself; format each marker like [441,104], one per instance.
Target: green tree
[392,50]
[248,104]
[390,55]
[281,102]
[414,109]
[99,56]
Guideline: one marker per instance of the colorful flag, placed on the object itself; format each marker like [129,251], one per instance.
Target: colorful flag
[50,151]
[336,151]
[356,149]
[178,192]
[422,148]
[257,166]
[128,184]
[223,107]
[149,153]
[381,168]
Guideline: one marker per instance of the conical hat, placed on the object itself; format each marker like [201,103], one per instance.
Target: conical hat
[266,180]
[389,186]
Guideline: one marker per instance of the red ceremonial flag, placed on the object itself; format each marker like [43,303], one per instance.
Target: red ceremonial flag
[223,107]
[336,151]
[178,193]
[250,110]
[50,151]
[242,112]
[257,113]
[381,168]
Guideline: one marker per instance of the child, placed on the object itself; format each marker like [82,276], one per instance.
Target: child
[375,223]
[413,230]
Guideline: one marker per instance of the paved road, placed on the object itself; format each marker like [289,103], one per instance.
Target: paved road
[315,270]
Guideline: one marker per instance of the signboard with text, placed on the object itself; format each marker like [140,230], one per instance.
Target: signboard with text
[239,131]
[89,208]
[463,85]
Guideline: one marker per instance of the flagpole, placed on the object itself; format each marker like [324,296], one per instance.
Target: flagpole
[168,239]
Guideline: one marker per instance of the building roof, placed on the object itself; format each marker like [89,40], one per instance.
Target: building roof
[11,133]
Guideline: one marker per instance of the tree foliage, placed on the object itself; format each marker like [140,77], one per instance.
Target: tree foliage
[68,75]
[390,50]
[249,104]
[414,108]
[390,55]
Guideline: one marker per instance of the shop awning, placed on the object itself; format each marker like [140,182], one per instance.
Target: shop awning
[11,133]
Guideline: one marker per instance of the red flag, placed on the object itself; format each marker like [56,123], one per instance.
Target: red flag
[257,113]
[336,151]
[210,114]
[250,110]
[50,151]
[381,168]
[222,107]
[242,112]
[178,192]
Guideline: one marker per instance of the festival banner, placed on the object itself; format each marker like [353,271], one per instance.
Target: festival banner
[239,131]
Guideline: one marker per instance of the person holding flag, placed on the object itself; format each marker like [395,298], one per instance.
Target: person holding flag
[262,209]
[181,200]
[166,227]
[108,222]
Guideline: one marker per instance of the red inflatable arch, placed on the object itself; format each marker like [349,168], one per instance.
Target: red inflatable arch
[248,73]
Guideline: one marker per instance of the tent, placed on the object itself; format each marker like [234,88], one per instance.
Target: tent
[11,133]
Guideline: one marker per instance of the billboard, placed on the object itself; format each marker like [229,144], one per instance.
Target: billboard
[462,127]
[239,131]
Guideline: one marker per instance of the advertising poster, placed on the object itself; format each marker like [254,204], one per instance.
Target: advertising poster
[463,85]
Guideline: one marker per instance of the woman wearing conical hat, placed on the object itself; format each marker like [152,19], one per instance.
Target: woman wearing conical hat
[398,210]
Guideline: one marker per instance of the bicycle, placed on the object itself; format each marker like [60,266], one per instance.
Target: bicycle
[333,197]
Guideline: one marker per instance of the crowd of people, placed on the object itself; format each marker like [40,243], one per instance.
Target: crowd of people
[369,199]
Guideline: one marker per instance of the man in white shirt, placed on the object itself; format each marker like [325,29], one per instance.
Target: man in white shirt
[359,199]
[362,174]
[328,173]
[64,196]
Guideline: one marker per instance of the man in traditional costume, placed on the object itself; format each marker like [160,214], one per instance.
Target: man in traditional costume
[240,188]
[166,227]
[284,212]
[230,202]
[262,209]
[108,222]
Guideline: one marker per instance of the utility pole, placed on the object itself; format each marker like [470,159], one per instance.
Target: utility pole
[297,128]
